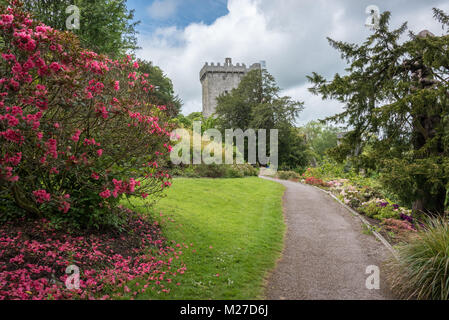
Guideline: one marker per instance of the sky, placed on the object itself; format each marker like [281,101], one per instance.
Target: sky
[290,35]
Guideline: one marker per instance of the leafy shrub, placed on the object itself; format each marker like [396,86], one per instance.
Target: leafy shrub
[210,170]
[370,209]
[380,210]
[76,132]
[326,171]
[387,213]
[422,270]
[234,172]
[216,171]
[287,175]
[247,169]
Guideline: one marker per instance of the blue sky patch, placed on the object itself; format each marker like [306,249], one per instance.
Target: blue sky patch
[180,13]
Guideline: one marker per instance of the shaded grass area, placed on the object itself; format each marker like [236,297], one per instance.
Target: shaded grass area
[231,231]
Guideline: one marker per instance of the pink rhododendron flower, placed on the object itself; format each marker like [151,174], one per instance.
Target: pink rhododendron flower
[54,170]
[76,136]
[41,196]
[64,207]
[105,194]
[55,66]
[7,18]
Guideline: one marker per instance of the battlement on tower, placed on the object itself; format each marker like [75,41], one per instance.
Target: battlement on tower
[227,67]
[217,79]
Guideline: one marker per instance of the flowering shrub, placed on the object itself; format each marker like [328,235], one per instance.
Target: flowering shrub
[34,257]
[338,183]
[76,132]
[316,182]
[398,225]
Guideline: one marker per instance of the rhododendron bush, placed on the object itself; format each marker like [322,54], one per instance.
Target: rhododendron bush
[75,129]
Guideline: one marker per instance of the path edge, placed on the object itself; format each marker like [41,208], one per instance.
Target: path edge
[355,213]
[270,272]
[366,222]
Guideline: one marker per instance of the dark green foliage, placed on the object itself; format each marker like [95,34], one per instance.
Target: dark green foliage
[107,27]
[210,170]
[224,171]
[396,113]
[164,94]
[216,171]
[257,104]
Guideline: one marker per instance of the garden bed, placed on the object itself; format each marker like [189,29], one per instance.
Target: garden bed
[389,219]
[34,256]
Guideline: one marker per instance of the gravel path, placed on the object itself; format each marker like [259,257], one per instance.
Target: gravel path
[326,252]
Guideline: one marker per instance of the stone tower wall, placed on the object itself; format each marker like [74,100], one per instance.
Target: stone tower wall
[218,79]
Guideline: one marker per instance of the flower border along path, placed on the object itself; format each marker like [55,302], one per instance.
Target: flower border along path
[370,227]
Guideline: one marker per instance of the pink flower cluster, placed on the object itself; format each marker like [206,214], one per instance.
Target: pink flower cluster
[120,187]
[41,196]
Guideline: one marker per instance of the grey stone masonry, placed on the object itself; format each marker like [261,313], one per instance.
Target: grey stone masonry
[218,79]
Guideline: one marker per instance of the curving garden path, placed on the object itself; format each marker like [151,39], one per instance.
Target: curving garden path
[326,252]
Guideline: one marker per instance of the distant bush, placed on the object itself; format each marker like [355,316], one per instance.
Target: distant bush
[287,175]
[216,171]
[422,271]
[243,170]
[210,170]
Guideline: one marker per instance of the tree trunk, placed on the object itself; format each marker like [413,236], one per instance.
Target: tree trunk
[23,203]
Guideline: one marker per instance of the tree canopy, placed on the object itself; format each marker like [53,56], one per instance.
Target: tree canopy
[164,93]
[257,104]
[320,138]
[105,26]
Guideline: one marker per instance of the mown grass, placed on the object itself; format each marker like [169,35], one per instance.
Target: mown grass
[233,229]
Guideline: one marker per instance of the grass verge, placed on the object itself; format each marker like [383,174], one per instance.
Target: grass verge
[231,231]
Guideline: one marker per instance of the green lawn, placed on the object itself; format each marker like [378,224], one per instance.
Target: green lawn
[236,227]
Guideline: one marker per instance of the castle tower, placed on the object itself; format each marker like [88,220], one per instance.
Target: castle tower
[217,79]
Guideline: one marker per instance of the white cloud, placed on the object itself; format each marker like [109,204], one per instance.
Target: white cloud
[314,107]
[162,9]
[289,35]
